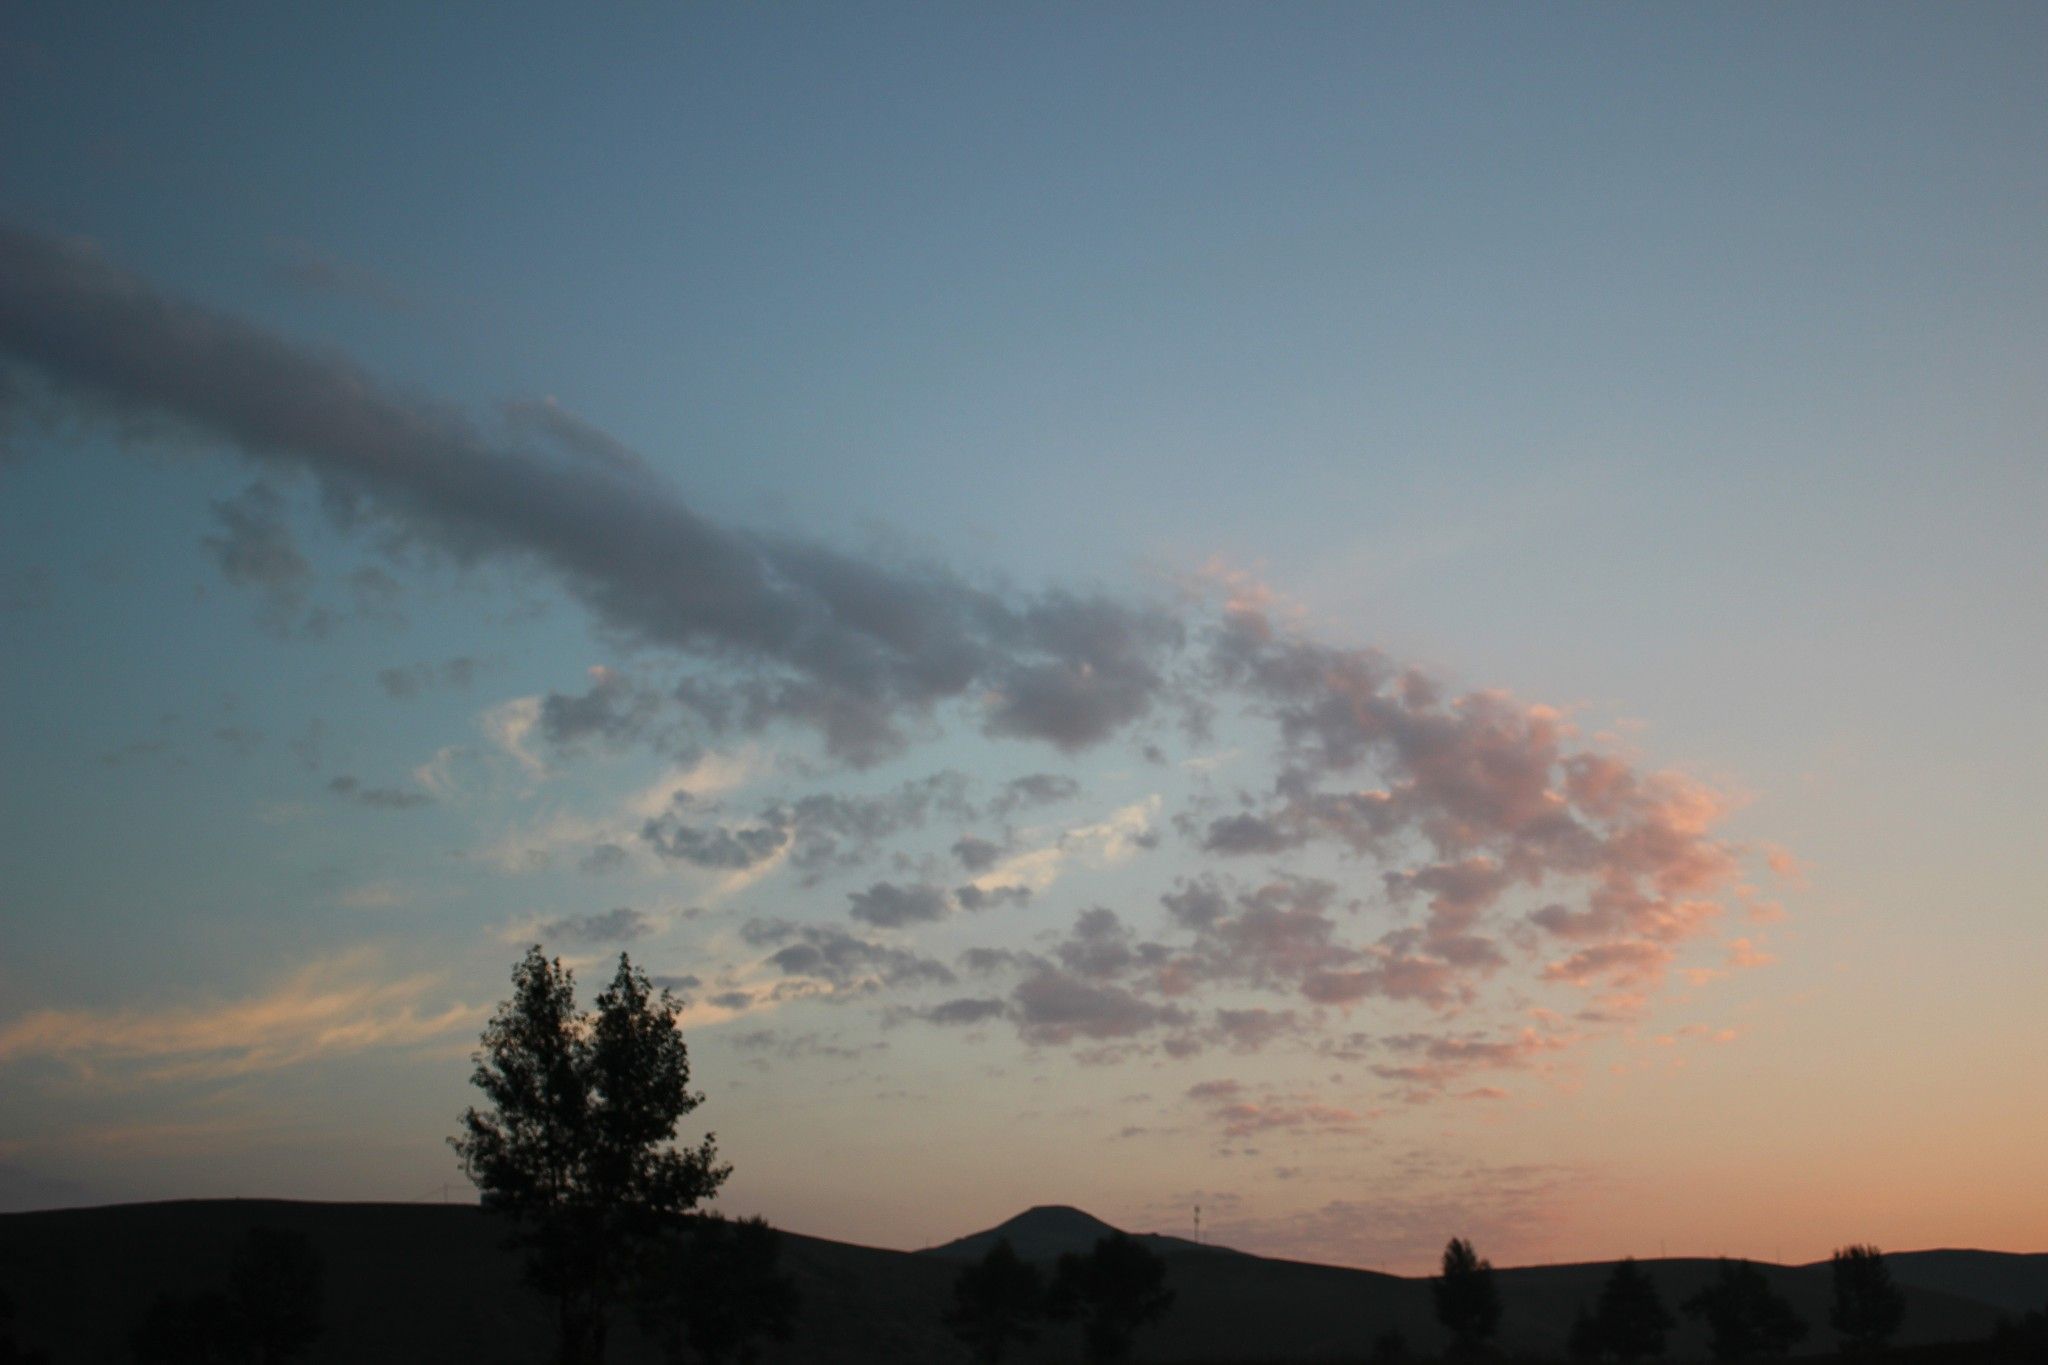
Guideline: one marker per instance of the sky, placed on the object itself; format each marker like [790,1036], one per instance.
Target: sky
[1392,621]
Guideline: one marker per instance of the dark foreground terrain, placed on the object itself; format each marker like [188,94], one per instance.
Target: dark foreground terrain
[430,1284]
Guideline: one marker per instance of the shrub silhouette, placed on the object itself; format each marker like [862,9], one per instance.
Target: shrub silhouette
[1467,1300]
[996,1301]
[1629,1321]
[576,1145]
[719,1288]
[275,1282]
[1868,1307]
[1114,1290]
[190,1329]
[1745,1320]
[2024,1338]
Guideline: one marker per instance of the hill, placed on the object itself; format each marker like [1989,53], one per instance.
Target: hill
[430,1284]
[1051,1230]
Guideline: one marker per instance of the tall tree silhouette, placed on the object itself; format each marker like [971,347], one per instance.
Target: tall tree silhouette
[718,1288]
[1467,1300]
[1628,1323]
[1745,1319]
[275,1281]
[1868,1307]
[998,1300]
[576,1145]
[1114,1290]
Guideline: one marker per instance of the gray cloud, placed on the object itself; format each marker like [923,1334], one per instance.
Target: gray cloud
[850,645]
[612,710]
[966,1010]
[976,854]
[620,925]
[403,684]
[576,436]
[973,897]
[1033,789]
[255,547]
[841,960]
[824,832]
[382,798]
[604,858]
[889,906]
[1053,1006]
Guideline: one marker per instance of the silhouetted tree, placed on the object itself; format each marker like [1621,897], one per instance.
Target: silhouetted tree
[1583,1342]
[190,1329]
[1868,1307]
[1115,1289]
[1467,1301]
[719,1288]
[1745,1320]
[1389,1348]
[2022,1340]
[576,1145]
[275,1282]
[1629,1321]
[996,1301]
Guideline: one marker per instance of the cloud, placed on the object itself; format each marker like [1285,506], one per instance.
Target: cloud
[1240,1113]
[854,647]
[403,684]
[1437,1059]
[976,897]
[254,546]
[604,858]
[334,1007]
[889,906]
[822,833]
[976,854]
[1054,1006]
[1033,789]
[1499,837]
[963,1011]
[380,798]
[620,925]
[1511,1212]
[613,710]
[842,961]
[1496,790]
[547,417]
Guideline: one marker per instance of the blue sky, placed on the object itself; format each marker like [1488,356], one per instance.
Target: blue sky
[1664,383]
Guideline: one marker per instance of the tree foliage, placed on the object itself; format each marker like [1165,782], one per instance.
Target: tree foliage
[997,1300]
[1628,1323]
[1467,1300]
[718,1290]
[1868,1307]
[575,1145]
[1745,1319]
[1114,1290]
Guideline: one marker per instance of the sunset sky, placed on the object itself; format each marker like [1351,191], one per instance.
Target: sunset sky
[1389,620]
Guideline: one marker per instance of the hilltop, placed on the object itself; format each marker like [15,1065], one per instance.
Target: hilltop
[1050,1230]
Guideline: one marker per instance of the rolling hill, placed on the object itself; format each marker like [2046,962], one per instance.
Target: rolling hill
[430,1284]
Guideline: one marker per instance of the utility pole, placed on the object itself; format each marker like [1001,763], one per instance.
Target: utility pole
[1198,1225]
